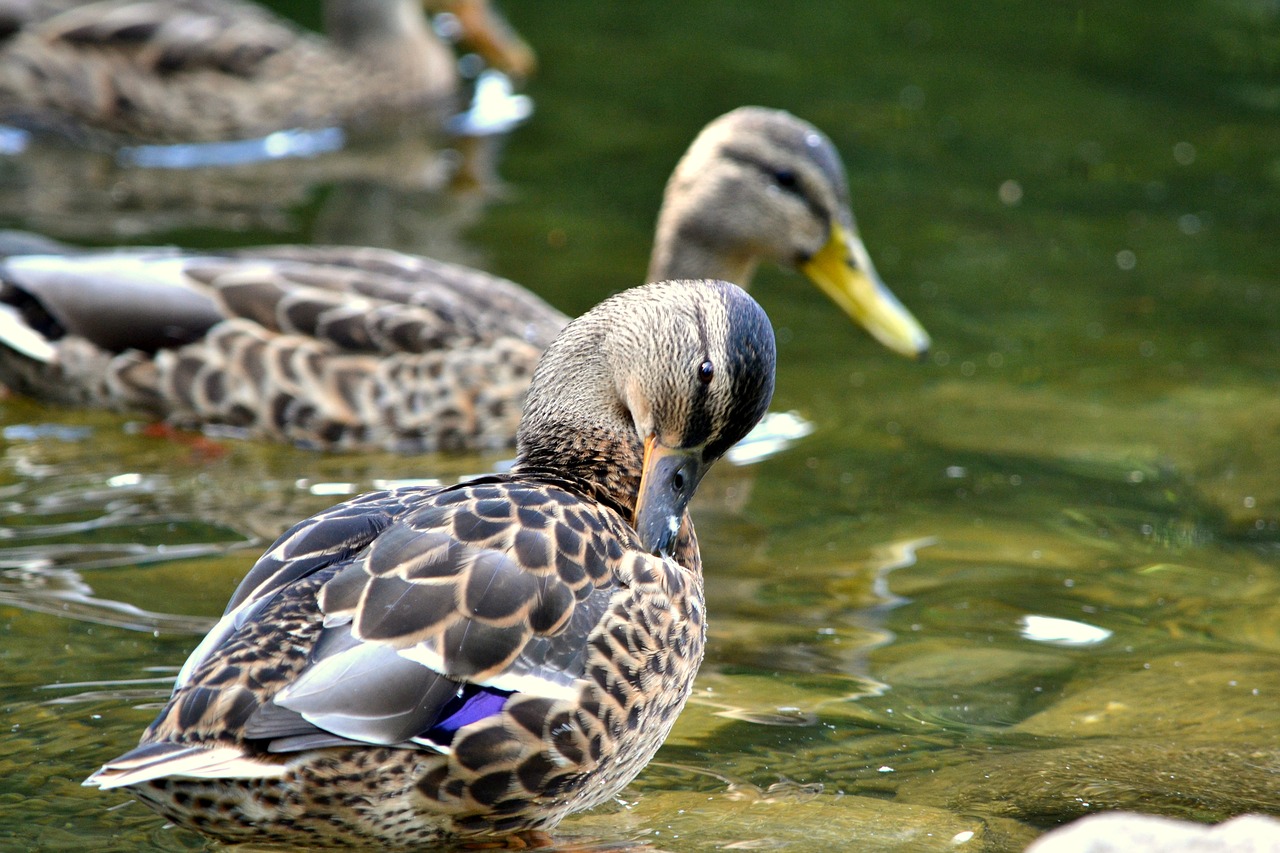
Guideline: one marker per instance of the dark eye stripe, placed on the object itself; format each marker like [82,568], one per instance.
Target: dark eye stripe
[748,369]
[777,176]
[698,424]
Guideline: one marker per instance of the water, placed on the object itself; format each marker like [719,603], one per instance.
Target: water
[1032,577]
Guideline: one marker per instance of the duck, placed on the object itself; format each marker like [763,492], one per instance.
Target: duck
[117,72]
[420,664]
[343,348]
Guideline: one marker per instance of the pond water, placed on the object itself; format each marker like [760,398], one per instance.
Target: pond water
[1034,576]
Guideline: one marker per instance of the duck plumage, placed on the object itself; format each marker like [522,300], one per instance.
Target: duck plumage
[340,348]
[489,657]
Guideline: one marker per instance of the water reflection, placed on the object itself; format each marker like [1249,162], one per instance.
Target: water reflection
[355,193]
[147,693]
[64,593]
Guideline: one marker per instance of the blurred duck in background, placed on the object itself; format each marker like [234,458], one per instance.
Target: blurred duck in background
[181,71]
[100,102]
[346,348]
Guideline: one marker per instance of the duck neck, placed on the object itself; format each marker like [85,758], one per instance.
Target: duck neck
[600,468]
[358,25]
[595,464]
[390,34]
[575,428]
[683,250]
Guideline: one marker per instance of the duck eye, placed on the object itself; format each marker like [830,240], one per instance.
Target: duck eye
[786,179]
[706,372]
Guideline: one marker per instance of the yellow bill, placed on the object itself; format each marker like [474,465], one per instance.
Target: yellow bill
[488,33]
[843,269]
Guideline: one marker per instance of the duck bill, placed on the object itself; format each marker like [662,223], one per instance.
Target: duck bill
[843,269]
[489,34]
[668,478]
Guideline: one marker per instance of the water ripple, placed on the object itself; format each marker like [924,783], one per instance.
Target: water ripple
[64,593]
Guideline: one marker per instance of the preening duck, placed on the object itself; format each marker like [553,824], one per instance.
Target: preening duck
[347,348]
[486,658]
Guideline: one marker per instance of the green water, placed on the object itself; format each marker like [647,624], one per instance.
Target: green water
[1082,204]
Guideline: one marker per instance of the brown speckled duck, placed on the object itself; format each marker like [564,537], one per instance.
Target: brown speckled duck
[347,348]
[214,70]
[490,657]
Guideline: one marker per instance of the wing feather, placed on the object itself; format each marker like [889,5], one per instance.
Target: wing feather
[156,760]
[408,632]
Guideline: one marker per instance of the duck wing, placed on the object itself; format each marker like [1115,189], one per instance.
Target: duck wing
[396,619]
[325,347]
[227,37]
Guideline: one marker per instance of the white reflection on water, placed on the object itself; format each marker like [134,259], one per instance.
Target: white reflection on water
[141,691]
[775,433]
[274,146]
[1061,632]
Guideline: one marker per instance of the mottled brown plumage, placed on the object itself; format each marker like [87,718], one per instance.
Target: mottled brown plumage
[338,348]
[347,348]
[213,70]
[487,658]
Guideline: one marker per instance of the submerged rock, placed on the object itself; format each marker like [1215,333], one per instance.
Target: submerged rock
[1194,736]
[790,817]
[1050,786]
[1221,697]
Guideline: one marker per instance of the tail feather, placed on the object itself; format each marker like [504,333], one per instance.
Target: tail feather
[17,335]
[158,760]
